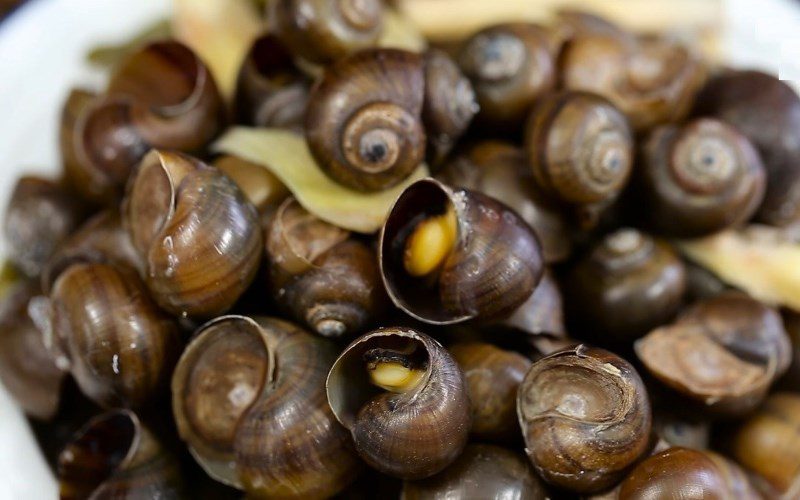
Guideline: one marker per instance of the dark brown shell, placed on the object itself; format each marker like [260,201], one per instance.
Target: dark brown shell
[628,284]
[500,170]
[115,456]
[199,237]
[510,66]
[483,471]
[121,348]
[541,315]
[676,429]
[40,215]
[493,376]
[364,124]
[322,31]
[248,396]
[411,435]
[698,179]
[327,280]
[723,353]
[571,24]
[161,96]
[586,418]
[271,91]
[767,111]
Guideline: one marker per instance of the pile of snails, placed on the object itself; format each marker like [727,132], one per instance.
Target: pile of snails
[180,323]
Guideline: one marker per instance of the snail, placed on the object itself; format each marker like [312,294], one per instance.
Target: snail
[449,256]
[326,279]
[723,353]
[371,116]
[39,217]
[403,398]
[322,31]
[626,285]
[580,148]
[271,91]
[767,111]
[511,66]
[199,237]
[698,179]
[261,187]
[676,429]
[586,418]
[572,24]
[161,96]
[493,376]
[539,316]
[248,397]
[483,471]
[115,456]
[500,170]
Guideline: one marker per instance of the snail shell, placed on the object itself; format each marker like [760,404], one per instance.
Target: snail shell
[322,31]
[261,187]
[248,396]
[161,96]
[585,416]
[541,315]
[412,434]
[115,456]
[494,265]
[199,237]
[120,347]
[699,179]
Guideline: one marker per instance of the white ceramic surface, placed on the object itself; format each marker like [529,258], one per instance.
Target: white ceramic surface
[41,57]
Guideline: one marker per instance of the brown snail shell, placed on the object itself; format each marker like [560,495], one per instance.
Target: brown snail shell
[585,416]
[687,474]
[723,353]
[493,268]
[570,24]
[28,370]
[493,376]
[410,435]
[119,346]
[115,456]
[791,379]
[363,123]
[483,471]
[40,215]
[628,284]
[698,179]
[679,430]
[511,66]
[248,396]
[261,187]
[579,147]
[199,237]
[500,170]
[541,315]
[271,91]
[322,31]
[325,278]
[161,96]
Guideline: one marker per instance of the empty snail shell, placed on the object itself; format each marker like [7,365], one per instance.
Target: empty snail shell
[248,396]
[115,456]
[698,179]
[579,147]
[483,471]
[724,353]
[271,91]
[120,347]
[199,237]
[510,66]
[625,286]
[404,399]
[652,81]
[328,280]
[493,376]
[40,215]
[686,473]
[500,170]
[27,368]
[322,31]
[585,416]
[364,124]
[449,256]
[161,96]
[261,187]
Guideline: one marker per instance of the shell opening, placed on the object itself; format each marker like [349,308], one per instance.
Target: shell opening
[429,244]
[396,370]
